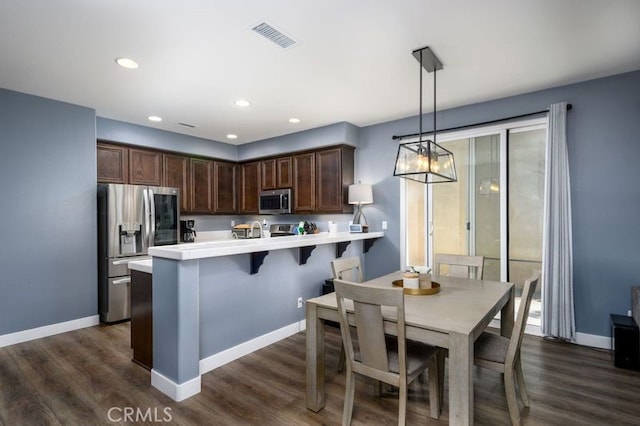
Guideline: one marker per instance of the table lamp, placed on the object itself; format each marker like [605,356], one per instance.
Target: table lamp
[359,194]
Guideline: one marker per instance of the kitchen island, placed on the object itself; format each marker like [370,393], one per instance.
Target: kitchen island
[214,302]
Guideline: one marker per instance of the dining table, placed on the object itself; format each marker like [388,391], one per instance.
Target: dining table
[452,318]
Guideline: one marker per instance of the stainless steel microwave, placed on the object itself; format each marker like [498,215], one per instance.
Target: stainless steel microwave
[277,201]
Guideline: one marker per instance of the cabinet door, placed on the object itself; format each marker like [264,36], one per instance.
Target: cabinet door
[329,180]
[284,178]
[201,189]
[249,187]
[334,174]
[268,170]
[145,167]
[175,172]
[304,183]
[113,163]
[224,187]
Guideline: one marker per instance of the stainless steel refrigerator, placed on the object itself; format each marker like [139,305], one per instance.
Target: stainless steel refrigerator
[131,218]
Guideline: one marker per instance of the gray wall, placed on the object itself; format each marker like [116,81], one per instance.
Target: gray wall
[119,131]
[603,133]
[48,226]
[254,305]
[53,200]
[340,133]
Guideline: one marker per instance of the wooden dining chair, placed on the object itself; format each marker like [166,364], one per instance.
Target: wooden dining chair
[502,354]
[348,269]
[459,266]
[389,359]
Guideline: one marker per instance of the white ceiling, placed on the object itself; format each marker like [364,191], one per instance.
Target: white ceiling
[352,61]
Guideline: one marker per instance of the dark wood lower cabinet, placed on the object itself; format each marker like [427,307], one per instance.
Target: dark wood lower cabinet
[142,318]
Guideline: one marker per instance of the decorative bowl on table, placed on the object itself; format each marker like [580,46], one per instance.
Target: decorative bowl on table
[433,288]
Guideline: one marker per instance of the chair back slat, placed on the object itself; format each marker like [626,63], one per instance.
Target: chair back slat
[521,318]
[348,269]
[459,266]
[370,330]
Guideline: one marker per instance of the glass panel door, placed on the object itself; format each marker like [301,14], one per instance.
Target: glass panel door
[526,192]
[450,205]
[485,222]
[466,213]
[416,237]
[495,209]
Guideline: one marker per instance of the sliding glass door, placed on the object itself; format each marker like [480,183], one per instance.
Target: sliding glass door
[493,210]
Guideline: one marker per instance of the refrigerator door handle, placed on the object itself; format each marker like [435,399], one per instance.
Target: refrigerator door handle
[145,217]
[152,217]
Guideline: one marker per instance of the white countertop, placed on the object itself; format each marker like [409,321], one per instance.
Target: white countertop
[203,250]
[142,265]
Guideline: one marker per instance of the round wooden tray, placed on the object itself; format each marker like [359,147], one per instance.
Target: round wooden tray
[435,288]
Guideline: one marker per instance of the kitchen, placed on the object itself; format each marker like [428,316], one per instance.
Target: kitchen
[48,170]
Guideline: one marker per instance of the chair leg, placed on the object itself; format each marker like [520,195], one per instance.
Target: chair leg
[512,401]
[342,360]
[402,404]
[434,388]
[521,386]
[441,355]
[349,392]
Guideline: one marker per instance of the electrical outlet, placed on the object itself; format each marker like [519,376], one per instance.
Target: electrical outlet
[384,224]
[233,223]
[629,313]
[299,302]
[264,222]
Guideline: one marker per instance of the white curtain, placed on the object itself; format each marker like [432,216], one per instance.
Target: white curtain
[558,319]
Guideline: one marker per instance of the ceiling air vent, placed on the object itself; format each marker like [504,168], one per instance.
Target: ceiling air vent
[274,35]
[191,126]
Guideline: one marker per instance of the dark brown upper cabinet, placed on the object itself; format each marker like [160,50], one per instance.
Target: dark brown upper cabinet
[145,167]
[268,169]
[304,182]
[276,173]
[201,200]
[284,172]
[334,174]
[176,175]
[320,178]
[249,187]
[224,188]
[112,163]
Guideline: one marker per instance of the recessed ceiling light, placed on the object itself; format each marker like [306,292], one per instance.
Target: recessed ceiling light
[127,63]
[294,120]
[242,103]
[232,136]
[154,118]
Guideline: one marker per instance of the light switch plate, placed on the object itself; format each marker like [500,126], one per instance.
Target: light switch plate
[384,224]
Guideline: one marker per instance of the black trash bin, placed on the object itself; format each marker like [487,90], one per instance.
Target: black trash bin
[327,287]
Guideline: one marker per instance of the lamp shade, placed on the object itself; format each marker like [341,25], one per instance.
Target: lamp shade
[426,162]
[360,193]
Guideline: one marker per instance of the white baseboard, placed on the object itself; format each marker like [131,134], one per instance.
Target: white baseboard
[593,340]
[179,392]
[173,390]
[231,354]
[48,330]
[583,339]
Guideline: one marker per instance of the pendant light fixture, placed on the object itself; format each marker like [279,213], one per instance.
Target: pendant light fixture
[424,160]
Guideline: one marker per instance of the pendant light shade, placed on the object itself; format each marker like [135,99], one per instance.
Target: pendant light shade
[424,160]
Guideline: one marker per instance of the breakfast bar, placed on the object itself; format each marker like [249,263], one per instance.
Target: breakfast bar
[216,301]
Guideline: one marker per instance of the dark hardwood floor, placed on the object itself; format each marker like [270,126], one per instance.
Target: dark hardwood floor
[83,377]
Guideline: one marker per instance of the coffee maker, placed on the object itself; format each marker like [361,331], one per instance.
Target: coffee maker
[187,231]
